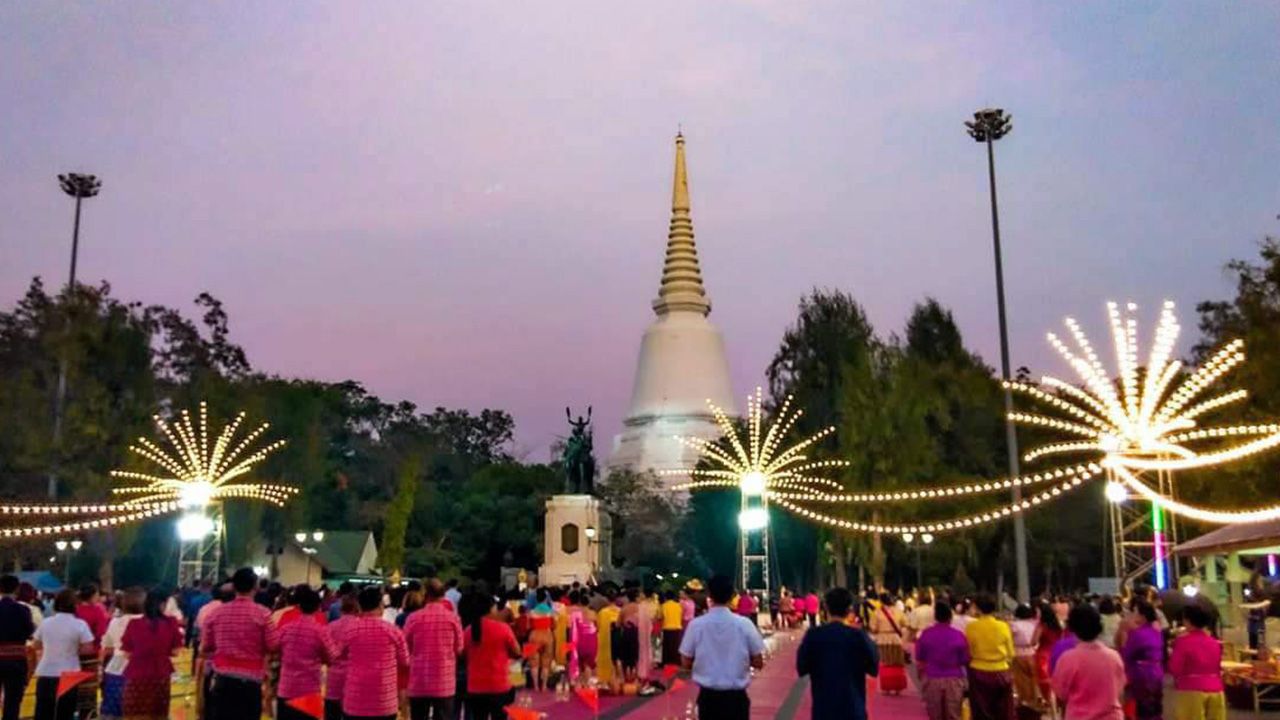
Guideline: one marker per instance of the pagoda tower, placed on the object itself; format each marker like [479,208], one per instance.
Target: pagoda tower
[682,362]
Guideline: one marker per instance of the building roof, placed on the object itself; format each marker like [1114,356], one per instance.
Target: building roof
[341,550]
[1234,538]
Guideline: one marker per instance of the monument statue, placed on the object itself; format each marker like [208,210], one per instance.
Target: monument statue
[579,459]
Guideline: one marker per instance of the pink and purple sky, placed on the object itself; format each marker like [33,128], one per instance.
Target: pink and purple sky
[465,203]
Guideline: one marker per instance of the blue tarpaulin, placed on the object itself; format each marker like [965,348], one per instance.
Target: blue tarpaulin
[42,580]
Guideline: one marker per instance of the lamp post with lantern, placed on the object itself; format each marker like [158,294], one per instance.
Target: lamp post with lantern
[918,543]
[303,538]
[68,548]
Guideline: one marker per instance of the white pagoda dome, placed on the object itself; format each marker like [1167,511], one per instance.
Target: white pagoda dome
[682,362]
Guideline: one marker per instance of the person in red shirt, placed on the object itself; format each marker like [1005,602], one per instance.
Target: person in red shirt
[491,646]
[376,653]
[150,641]
[94,614]
[235,642]
[434,638]
[304,647]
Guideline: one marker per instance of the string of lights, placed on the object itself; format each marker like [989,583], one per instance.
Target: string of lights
[1222,517]
[135,514]
[1089,470]
[935,526]
[67,509]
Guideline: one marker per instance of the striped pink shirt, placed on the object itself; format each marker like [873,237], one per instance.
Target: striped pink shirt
[434,638]
[376,652]
[235,636]
[304,647]
[337,679]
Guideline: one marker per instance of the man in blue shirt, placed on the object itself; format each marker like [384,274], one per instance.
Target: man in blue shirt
[838,659]
[721,648]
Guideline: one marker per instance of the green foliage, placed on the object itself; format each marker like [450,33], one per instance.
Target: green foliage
[408,475]
[1254,316]
[907,414]
[647,522]
[360,462]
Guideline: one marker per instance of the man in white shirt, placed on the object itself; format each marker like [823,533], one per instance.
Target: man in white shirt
[452,594]
[721,648]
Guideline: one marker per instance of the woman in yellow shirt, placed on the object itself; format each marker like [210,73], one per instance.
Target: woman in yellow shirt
[606,670]
[672,628]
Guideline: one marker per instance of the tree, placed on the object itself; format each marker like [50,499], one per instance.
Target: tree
[646,521]
[391,554]
[829,344]
[1254,316]
[110,395]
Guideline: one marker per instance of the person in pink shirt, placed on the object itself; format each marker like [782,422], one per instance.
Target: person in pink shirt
[433,636]
[811,607]
[335,683]
[222,595]
[687,608]
[1089,678]
[234,642]
[304,649]
[747,607]
[1196,667]
[376,653]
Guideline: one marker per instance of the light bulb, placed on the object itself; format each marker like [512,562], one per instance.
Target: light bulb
[752,483]
[1116,492]
[753,519]
[194,526]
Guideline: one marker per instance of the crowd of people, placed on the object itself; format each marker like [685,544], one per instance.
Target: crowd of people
[420,649]
[430,649]
[1097,658]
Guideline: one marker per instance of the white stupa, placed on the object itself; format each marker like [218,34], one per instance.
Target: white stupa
[682,363]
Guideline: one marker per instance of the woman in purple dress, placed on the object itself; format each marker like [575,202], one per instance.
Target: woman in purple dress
[1144,662]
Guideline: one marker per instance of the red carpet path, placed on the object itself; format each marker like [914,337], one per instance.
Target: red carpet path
[776,694]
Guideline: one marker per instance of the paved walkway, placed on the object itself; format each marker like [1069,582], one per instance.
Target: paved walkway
[776,694]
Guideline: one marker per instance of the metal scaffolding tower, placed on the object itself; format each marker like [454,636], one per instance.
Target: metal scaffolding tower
[201,558]
[1143,534]
[754,544]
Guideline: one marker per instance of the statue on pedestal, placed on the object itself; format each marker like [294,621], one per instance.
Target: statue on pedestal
[579,458]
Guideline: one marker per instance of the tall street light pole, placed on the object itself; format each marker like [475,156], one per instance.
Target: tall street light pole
[987,126]
[79,187]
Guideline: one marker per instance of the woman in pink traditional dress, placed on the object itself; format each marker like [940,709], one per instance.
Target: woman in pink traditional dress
[583,640]
[644,666]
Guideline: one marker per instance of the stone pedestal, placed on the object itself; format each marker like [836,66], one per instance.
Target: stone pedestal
[577,540]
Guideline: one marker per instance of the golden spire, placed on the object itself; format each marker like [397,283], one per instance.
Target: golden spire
[681,287]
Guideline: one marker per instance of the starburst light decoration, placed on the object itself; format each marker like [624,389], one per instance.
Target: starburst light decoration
[1148,418]
[193,474]
[196,472]
[757,463]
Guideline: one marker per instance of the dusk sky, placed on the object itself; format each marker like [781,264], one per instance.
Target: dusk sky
[465,203]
